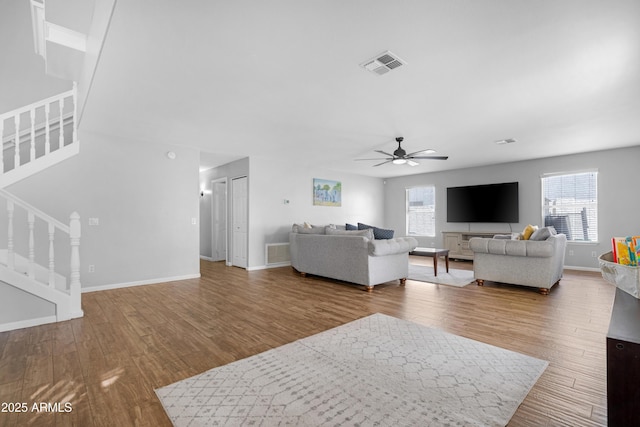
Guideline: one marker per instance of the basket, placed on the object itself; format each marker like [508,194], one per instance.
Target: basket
[624,277]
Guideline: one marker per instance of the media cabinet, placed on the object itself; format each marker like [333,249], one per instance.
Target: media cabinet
[458,242]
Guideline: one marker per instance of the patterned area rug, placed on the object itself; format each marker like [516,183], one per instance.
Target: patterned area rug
[423,273]
[377,370]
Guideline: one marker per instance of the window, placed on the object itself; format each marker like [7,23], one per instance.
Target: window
[421,211]
[570,204]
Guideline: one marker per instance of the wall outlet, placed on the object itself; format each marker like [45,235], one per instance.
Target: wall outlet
[194,221]
[92,268]
[593,254]
[94,221]
[570,252]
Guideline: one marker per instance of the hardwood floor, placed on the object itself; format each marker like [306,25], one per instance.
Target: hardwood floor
[133,340]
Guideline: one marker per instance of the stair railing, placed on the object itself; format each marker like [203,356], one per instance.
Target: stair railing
[73,230]
[44,118]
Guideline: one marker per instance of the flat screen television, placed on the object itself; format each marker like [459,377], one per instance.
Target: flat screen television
[483,203]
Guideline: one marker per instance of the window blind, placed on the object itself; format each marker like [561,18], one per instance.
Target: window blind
[421,211]
[570,204]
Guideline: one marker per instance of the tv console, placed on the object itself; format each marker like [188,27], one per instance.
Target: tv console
[458,242]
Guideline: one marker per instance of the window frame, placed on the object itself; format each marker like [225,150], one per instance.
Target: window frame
[408,211]
[589,205]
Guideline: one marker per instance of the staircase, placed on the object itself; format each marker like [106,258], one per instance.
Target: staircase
[34,138]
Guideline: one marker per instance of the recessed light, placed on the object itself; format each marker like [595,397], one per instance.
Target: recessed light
[505,141]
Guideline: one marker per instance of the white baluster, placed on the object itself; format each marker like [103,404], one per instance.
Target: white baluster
[47,137]
[52,265]
[31,219]
[61,139]
[74,286]
[74,137]
[10,257]
[16,161]
[1,146]
[32,151]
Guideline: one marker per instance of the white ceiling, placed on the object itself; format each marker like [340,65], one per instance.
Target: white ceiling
[241,78]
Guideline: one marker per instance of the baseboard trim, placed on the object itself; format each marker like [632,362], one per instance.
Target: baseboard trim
[206,258]
[11,326]
[139,283]
[593,269]
[265,267]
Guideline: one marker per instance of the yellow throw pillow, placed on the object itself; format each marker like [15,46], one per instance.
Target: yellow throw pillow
[528,231]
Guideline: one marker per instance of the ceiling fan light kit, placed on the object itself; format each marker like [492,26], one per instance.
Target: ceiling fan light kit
[400,156]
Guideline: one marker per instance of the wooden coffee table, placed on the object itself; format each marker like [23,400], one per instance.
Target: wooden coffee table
[433,253]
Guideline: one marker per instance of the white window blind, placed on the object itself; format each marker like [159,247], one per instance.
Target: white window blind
[421,211]
[570,204]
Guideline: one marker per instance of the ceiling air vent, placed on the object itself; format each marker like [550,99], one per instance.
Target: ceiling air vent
[505,141]
[383,63]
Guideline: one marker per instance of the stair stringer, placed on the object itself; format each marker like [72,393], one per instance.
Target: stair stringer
[41,273]
[62,299]
[39,164]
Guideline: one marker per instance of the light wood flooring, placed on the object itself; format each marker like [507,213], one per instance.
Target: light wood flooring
[133,340]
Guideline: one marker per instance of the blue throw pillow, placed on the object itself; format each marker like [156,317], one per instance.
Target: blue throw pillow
[381,233]
[350,227]
[378,233]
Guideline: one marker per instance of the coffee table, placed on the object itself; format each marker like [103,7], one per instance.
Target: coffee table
[433,253]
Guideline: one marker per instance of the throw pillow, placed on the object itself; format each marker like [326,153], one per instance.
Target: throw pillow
[348,226]
[378,233]
[312,230]
[368,233]
[543,233]
[528,231]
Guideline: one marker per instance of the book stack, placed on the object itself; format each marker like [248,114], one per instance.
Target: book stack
[626,250]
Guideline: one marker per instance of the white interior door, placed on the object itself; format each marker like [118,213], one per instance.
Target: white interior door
[239,221]
[219,220]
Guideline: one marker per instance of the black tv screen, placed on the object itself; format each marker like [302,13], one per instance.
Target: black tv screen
[483,203]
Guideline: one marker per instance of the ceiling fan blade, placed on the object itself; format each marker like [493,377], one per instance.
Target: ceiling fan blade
[429,157]
[385,153]
[412,163]
[383,163]
[427,151]
[378,158]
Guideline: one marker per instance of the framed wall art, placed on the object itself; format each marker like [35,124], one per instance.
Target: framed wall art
[327,192]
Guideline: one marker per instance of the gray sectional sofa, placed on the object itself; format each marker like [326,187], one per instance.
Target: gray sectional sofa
[537,264]
[354,256]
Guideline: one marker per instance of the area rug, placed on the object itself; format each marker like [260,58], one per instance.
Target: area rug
[377,370]
[424,273]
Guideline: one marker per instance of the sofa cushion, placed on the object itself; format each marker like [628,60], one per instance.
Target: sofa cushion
[530,248]
[368,233]
[378,233]
[392,246]
[313,230]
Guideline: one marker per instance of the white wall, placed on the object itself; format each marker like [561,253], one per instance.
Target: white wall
[145,204]
[272,180]
[22,74]
[618,204]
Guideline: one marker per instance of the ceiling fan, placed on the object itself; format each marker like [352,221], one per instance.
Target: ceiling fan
[400,156]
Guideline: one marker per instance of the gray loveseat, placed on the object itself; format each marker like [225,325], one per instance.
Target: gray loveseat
[537,264]
[352,257]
